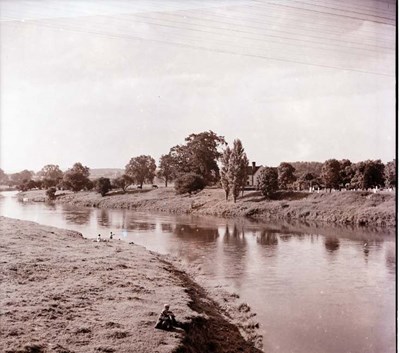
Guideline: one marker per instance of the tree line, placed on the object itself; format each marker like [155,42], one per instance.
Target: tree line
[205,159]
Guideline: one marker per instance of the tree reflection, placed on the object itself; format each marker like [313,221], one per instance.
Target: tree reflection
[391,260]
[234,251]
[235,236]
[190,232]
[332,244]
[166,227]
[103,218]
[268,238]
[285,237]
[80,217]
[130,222]
[141,226]
[50,206]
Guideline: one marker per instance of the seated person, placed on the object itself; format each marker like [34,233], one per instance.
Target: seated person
[166,320]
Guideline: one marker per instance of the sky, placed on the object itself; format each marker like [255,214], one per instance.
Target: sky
[100,82]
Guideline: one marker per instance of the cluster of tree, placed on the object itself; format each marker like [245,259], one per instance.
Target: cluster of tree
[194,165]
[15,179]
[333,174]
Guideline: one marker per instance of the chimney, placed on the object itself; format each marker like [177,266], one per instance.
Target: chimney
[253,170]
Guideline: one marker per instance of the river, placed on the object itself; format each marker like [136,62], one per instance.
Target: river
[314,289]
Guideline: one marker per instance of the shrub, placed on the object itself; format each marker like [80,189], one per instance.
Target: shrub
[267,181]
[188,183]
[51,193]
[103,186]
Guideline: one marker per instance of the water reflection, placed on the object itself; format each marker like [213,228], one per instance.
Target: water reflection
[285,237]
[269,238]
[332,244]
[166,227]
[103,218]
[391,259]
[72,215]
[188,231]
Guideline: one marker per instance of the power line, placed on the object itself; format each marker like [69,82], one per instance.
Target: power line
[310,26]
[345,5]
[224,42]
[336,9]
[321,12]
[267,29]
[130,37]
[260,40]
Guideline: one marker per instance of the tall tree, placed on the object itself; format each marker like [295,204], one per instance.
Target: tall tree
[51,175]
[346,172]
[225,160]
[3,177]
[368,174]
[374,174]
[77,178]
[141,169]
[390,174]
[330,174]
[167,168]
[286,175]
[199,155]
[21,177]
[237,169]
[307,180]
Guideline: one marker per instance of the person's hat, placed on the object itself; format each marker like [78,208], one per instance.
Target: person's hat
[166,306]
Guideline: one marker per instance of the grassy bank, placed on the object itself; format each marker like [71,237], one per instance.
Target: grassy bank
[62,293]
[345,207]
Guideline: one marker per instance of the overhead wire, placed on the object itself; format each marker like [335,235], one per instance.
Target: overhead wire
[347,10]
[192,46]
[308,26]
[270,30]
[326,47]
[307,32]
[224,42]
[347,6]
[283,41]
[258,3]
[176,9]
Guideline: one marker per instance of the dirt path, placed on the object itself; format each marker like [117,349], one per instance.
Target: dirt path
[62,293]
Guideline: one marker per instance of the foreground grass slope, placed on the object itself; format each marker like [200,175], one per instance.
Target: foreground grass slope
[345,207]
[62,293]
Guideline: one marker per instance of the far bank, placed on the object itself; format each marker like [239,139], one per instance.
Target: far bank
[358,208]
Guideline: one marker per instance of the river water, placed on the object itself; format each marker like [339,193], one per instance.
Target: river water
[314,289]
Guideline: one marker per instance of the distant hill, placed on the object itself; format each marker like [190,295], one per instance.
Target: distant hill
[105,173]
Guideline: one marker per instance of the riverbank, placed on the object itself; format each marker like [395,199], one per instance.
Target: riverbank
[62,293]
[345,207]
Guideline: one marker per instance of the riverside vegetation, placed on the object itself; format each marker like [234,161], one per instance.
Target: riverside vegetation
[357,208]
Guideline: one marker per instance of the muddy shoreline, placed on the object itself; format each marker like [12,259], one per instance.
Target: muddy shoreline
[354,208]
[63,293]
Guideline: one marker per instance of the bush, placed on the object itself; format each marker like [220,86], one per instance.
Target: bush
[103,186]
[188,183]
[51,193]
[267,181]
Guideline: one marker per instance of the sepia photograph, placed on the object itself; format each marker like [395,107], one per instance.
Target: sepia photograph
[198,176]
